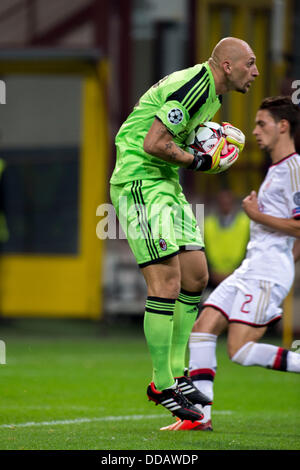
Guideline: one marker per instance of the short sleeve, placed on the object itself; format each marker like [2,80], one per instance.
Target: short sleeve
[174,116]
[295,205]
[292,188]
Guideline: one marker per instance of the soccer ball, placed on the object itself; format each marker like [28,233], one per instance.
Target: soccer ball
[204,138]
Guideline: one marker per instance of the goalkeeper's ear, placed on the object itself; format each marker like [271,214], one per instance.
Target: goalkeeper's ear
[233,135]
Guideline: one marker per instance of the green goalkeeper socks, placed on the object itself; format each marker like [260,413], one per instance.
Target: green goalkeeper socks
[158,327]
[186,311]
[167,327]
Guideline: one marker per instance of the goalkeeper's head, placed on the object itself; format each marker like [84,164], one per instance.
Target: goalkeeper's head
[233,65]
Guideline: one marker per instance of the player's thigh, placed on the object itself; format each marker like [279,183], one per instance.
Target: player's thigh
[217,307]
[240,334]
[186,227]
[163,279]
[194,271]
[144,209]
[210,321]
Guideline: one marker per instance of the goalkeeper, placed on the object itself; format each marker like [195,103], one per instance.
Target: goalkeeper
[145,181]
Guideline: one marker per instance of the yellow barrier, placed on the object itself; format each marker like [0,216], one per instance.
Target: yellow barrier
[66,285]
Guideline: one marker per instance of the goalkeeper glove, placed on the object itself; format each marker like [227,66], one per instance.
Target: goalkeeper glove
[209,160]
[233,135]
[227,158]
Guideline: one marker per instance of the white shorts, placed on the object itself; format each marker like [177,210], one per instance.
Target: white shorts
[253,302]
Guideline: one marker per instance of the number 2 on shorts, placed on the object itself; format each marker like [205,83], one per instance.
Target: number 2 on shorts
[249,298]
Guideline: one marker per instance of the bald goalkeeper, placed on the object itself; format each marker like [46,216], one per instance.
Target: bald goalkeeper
[150,150]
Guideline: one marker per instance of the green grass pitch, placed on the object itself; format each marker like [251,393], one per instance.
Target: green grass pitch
[71,385]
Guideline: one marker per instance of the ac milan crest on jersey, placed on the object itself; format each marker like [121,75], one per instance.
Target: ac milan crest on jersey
[162,244]
[267,184]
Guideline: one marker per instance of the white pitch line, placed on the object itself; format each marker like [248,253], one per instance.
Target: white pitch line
[91,420]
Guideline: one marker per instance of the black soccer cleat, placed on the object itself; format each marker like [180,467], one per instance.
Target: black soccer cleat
[185,384]
[173,400]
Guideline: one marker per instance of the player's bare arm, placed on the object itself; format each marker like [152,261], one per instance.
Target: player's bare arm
[288,226]
[159,143]
[296,250]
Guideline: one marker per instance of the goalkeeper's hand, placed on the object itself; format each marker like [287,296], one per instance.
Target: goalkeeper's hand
[209,160]
[233,135]
[228,156]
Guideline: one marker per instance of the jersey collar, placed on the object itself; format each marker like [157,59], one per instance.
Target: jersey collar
[212,80]
[283,159]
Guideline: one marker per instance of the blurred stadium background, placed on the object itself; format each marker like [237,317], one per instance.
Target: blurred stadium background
[72,70]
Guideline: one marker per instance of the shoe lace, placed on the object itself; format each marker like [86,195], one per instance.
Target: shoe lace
[189,381]
[181,399]
[204,398]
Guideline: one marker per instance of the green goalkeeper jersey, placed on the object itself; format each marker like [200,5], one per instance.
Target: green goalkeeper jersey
[181,101]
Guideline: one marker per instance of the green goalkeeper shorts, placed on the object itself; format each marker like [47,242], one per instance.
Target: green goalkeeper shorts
[156,218]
